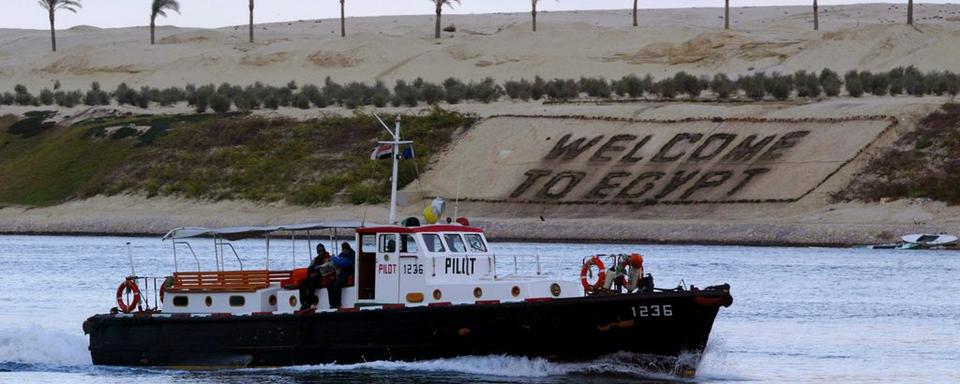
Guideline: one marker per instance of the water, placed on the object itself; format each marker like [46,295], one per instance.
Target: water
[799,315]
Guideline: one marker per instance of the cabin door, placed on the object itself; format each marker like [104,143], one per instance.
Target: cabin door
[387,276]
[410,271]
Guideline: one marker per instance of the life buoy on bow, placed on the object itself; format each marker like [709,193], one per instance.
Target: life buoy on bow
[128,285]
[601,277]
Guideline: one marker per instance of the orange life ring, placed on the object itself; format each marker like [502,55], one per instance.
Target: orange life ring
[594,260]
[128,285]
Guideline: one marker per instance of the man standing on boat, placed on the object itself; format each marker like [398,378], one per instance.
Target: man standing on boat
[344,263]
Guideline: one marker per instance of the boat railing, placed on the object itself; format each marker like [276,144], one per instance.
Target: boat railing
[176,266]
[515,260]
[150,291]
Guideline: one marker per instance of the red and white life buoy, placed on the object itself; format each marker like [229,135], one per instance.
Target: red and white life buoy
[128,285]
[601,277]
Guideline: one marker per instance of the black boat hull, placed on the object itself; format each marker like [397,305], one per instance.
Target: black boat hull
[663,325]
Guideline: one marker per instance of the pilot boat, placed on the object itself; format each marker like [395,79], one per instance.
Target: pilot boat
[416,292]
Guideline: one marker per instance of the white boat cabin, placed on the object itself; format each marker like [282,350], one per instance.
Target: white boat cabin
[394,265]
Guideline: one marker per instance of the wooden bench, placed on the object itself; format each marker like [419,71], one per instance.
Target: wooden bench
[226,281]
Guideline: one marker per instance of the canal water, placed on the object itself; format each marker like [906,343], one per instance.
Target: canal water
[799,314]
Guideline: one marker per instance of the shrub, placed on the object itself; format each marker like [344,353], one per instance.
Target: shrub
[271,102]
[46,97]
[914,82]
[538,89]
[292,85]
[558,89]
[485,91]
[853,84]
[220,103]
[754,86]
[7,99]
[454,90]
[688,84]
[522,89]
[632,85]
[807,84]
[301,101]
[332,90]
[430,93]
[722,86]
[779,86]
[22,96]
[380,95]
[830,81]
[666,88]
[68,99]
[895,77]
[595,87]
[33,124]
[405,94]
[877,84]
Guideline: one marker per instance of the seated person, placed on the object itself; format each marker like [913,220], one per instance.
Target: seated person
[344,264]
[320,267]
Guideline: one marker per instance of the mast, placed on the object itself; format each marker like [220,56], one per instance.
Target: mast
[396,143]
[393,178]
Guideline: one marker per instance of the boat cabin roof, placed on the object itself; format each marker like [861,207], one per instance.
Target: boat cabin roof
[246,232]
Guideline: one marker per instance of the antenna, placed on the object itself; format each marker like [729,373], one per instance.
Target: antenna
[133,272]
[396,143]
[456,203]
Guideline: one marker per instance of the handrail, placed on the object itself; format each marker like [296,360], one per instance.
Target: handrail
[197,259]
[516,264]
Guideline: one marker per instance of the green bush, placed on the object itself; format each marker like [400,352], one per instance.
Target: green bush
[666,88]
[914,82]
[807,84]
[46,97]
[33,124]
[22,96]
[722,86]
[830,81]
[454,90]
[485,91]
[853,84]
[405,94]
[522,90]
[538,89]
[633,86]
[7,99]
[688,84]
[558,89]
[220,103]
[754,86]
[896,79]
[779,86]
[595,87]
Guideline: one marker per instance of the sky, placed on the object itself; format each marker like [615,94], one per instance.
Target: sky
[219,13]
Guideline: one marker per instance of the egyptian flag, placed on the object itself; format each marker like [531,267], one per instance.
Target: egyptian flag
[383,151]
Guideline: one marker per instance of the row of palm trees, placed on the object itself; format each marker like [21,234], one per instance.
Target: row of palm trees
[160,8]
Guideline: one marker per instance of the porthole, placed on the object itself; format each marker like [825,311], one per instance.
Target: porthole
[515,291]
[477,292]
[181,301]
[555,289]
[293,301]
[272,300]
[208,301]
[437,294]
[237,301]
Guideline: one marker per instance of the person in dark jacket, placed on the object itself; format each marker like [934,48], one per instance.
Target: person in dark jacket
[320,266]
[344,264]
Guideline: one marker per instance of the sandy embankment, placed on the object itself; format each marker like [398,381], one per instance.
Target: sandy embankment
[570,44]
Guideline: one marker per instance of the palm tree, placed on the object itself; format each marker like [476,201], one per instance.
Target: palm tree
[251,21]
[343,20]
[635,13]
[726,15]
[160,8]
[816,17]
[910,12]
[52,6]
[440,4]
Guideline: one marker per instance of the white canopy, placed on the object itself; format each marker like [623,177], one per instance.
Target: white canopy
[239,233]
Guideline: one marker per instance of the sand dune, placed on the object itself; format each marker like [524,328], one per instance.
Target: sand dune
[570,44]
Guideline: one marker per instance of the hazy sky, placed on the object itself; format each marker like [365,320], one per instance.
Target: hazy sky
[218,13]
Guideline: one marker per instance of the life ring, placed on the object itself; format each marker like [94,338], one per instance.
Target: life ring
[167,283]
[593,260]
[128,285]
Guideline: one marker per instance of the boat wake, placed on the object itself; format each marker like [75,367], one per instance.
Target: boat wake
[25,347]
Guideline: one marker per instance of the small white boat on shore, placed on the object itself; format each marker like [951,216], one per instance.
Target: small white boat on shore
[926,240]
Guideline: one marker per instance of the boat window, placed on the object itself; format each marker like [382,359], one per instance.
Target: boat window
[237,301]
[455,242]
[368,244]
[388,243]
[475,242]
[926,238]
[432,242]
[181,301]
[408,244]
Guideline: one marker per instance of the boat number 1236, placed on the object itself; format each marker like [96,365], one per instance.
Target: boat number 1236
[652,311]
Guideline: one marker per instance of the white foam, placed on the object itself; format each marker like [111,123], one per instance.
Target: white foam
[39,345]
[499,365]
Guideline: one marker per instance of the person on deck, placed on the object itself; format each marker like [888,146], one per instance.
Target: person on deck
[320,267]
[344,264]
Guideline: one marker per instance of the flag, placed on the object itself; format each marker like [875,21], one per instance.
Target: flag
[383,151]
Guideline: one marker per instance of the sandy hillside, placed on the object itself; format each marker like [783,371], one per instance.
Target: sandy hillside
[570,44]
